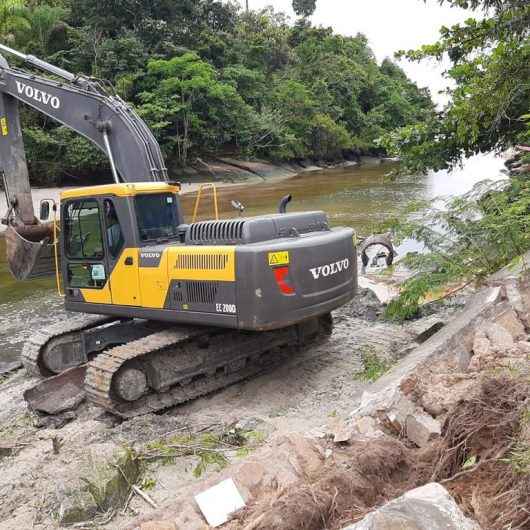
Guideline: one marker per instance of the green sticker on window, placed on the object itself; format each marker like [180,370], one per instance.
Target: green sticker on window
[98,272]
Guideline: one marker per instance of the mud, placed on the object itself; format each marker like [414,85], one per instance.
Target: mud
[299,396]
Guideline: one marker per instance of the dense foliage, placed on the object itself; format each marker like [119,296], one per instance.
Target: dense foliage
[469,237]
[490,71]
[466,239]
[210,78]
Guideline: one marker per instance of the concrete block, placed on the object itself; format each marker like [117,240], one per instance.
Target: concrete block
[427,508]
[422,429]
[509,320]
[501,340]
[457,335]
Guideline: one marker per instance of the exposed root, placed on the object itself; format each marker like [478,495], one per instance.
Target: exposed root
[363,475]
[475,457]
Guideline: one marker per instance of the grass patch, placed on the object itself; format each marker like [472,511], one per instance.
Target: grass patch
[519,459]
[374,367]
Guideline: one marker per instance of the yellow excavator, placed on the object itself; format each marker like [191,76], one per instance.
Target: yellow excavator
[166,311]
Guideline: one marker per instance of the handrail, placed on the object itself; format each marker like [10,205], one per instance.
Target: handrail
[198,200]
[55,253]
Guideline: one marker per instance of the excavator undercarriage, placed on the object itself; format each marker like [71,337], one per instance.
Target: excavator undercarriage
[161,368]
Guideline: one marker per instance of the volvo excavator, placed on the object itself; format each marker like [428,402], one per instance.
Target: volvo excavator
[167,311]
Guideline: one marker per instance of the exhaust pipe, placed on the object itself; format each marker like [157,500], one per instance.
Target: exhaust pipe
[282,208]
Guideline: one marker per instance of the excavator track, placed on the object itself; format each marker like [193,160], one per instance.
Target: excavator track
[57,335]
[177,365]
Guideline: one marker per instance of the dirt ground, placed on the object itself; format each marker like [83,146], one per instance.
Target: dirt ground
[43,469]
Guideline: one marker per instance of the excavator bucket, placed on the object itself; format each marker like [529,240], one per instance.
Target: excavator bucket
[59,393]
[30,252]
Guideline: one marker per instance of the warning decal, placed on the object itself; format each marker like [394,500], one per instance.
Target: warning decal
[278,258]
[3,126]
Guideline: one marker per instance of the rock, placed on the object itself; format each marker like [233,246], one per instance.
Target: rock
[427,508]
[158,525]
[442,392]
[368,427]
[501,340]
[511,323]
[375,402]
[341,432]
[481,344]
[422,429]
[75,507]
[399,413]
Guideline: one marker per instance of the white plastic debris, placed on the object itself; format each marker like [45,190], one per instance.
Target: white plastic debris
[219,502]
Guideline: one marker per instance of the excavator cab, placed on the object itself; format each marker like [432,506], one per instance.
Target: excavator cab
[127,252]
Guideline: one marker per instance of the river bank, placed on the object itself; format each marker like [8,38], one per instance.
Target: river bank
[41,488]
[371,407]
[373,389]
[223,173]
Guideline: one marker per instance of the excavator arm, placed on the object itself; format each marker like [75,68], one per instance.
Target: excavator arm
[83,105]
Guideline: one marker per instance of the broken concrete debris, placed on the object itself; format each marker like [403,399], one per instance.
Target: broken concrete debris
[429,507]
[341,432]
[422,429]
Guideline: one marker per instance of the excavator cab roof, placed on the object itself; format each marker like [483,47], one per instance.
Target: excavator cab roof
[121,190]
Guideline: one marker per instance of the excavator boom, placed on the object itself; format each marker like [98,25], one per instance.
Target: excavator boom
[83,105]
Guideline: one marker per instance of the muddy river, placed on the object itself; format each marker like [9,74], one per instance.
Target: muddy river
[360,197]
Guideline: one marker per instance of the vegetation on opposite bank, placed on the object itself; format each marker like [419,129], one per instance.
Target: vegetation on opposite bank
[210,78]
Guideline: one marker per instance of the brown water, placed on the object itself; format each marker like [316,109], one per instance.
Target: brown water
[361,197]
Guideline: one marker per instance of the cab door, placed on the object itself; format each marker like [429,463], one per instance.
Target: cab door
[122,261]
[85,271]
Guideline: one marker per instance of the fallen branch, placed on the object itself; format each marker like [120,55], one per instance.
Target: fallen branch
[144,496]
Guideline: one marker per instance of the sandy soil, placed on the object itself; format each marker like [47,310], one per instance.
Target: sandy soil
[298,396]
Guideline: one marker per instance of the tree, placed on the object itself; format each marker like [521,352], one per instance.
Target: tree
[210,78]
[491,70]
[187,106]
[304,8]
[475,235]
[13,19]
[43,22]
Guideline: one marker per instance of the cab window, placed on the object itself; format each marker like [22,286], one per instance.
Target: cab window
[83,238]
[114,232]
[157,216]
